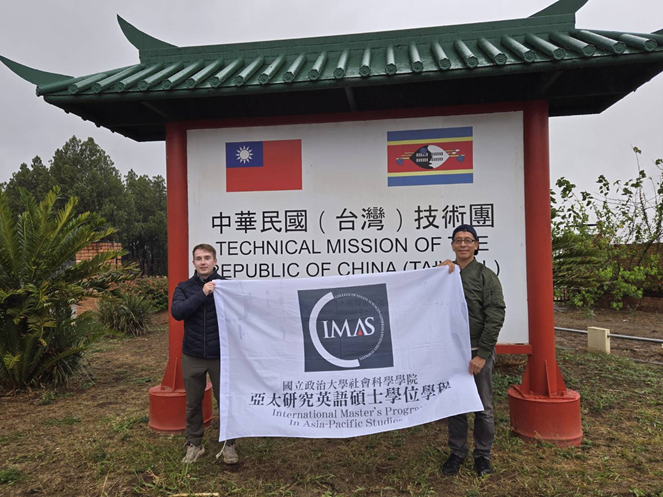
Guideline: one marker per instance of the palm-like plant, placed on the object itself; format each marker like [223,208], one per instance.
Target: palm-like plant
[40,340]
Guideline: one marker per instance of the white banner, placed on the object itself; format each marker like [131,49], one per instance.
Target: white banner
[342,356]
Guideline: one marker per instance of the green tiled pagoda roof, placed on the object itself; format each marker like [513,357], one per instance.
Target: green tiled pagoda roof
[540,57]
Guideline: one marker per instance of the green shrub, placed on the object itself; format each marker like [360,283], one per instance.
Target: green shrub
[129,313]
[611,237]
[653,285]
[40,342]
[154,288]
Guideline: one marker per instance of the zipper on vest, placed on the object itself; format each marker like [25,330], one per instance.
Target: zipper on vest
[204,328]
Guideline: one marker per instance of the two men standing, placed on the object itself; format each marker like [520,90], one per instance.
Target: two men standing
[486,311]
[193,302]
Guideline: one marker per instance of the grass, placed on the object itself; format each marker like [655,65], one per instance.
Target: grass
[9,476]
[147,380]
[66,421]
[46,398]
[96,441]
[10,437]
[123,426]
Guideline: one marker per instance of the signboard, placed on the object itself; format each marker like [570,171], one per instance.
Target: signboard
[328,199]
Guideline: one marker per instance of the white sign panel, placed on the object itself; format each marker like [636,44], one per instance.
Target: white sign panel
[342,356]
[309,200]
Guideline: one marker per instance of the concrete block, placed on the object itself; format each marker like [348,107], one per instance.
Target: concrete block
[598,340]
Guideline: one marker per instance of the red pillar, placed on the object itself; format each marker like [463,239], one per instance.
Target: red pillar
[541,407]
[167,401]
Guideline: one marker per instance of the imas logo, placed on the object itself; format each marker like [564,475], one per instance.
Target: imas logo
[346,328]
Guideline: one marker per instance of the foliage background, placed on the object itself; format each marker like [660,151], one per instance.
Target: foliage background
[134,205]
[41,342]
[154,288]
[607,246]
[128,313]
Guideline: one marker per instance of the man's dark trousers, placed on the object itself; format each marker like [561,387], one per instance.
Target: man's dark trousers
[194,371]
[484,426]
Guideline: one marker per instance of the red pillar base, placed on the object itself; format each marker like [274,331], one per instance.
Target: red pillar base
[168,408]
[554,419]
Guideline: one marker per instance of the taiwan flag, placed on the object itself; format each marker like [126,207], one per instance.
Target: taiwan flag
[264,166]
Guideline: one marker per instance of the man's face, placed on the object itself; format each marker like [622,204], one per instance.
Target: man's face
[204,262]
[464,246]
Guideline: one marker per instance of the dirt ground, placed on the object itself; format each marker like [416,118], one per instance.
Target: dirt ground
[630,323]
[92,438]
[62,433]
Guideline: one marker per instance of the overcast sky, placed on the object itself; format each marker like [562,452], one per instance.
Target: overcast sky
[79,37]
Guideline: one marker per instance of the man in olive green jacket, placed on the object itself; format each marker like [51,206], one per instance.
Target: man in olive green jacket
[486,309]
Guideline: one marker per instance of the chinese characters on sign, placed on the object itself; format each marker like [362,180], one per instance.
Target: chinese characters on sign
[344,398]
[377,196]
[425,218]
[289,221]
[292,221]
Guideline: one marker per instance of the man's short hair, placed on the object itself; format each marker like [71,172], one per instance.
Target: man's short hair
[203,246]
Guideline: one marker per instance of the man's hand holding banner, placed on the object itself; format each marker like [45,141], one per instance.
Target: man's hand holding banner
[342,356]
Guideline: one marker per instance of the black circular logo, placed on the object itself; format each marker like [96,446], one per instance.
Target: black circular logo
[346,328]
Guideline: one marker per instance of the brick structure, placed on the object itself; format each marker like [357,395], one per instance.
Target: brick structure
[87,254]
[96,248]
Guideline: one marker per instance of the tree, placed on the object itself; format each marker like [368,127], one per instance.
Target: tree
[83,170]
[622,225]
[146,238]
[35,178]
[40,341]
[135,206]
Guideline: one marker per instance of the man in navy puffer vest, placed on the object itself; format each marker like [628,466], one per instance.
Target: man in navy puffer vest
[193,302]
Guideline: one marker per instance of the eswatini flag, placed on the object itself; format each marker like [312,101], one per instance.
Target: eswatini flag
[260,166]
[430,156]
